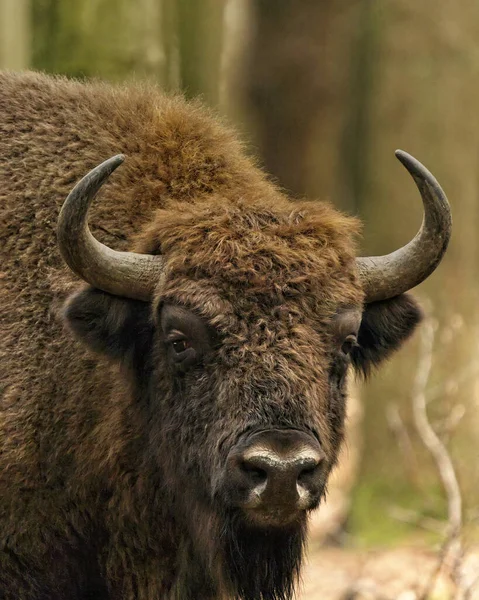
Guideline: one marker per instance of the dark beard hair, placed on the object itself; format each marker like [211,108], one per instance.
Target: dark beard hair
[263,564]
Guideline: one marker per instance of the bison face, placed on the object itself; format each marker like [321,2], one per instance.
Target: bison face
[265,402]
[237,320]
[254,401]
[244,413]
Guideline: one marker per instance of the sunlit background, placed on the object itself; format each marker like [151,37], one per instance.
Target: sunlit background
[323,92]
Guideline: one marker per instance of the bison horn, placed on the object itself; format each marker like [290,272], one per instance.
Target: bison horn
[125,274]
[387,276]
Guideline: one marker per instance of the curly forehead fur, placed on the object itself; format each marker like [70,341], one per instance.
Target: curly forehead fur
[260,252]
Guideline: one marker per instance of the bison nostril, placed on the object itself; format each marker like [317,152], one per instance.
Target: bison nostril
[308,473]
[255,474]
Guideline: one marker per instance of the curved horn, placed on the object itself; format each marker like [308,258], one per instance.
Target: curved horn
[120,273]
[386,276]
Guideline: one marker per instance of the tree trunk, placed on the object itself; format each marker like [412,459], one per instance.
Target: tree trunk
[200,39]
[101,38]
[14,34]
[297,89]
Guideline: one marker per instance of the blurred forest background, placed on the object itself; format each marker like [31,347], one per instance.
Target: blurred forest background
[324,91]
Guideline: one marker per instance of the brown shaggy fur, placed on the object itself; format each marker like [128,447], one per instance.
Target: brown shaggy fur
[108,458]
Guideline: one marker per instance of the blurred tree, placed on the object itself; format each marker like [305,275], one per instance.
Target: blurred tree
[238,32]
[14,34]
[110,39]
[174,42]
[200,41]
[297,87]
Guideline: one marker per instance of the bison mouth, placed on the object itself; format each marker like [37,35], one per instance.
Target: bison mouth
[263,563]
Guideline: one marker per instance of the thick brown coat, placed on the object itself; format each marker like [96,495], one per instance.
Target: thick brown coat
[93,479]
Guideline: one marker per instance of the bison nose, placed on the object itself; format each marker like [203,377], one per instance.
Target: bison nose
[278,479]
[277,474]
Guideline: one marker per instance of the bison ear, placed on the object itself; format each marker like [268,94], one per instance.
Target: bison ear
[109,324]
[384,327]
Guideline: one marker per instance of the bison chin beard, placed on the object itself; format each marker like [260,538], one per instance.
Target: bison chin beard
[263,564]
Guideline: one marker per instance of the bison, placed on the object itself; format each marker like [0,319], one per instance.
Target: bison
[168,425]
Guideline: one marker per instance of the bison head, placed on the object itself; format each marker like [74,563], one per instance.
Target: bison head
[238,321]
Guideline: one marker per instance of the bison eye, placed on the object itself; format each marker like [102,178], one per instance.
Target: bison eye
[349,343]
[179,346]
[186,336]
[182,351]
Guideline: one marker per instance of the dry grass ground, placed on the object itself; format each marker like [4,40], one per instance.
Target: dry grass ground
[402,574]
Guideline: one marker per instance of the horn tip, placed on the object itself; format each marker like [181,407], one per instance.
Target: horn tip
[406,159]
[415,168]
[107,167]
[117,159]
[421,173]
